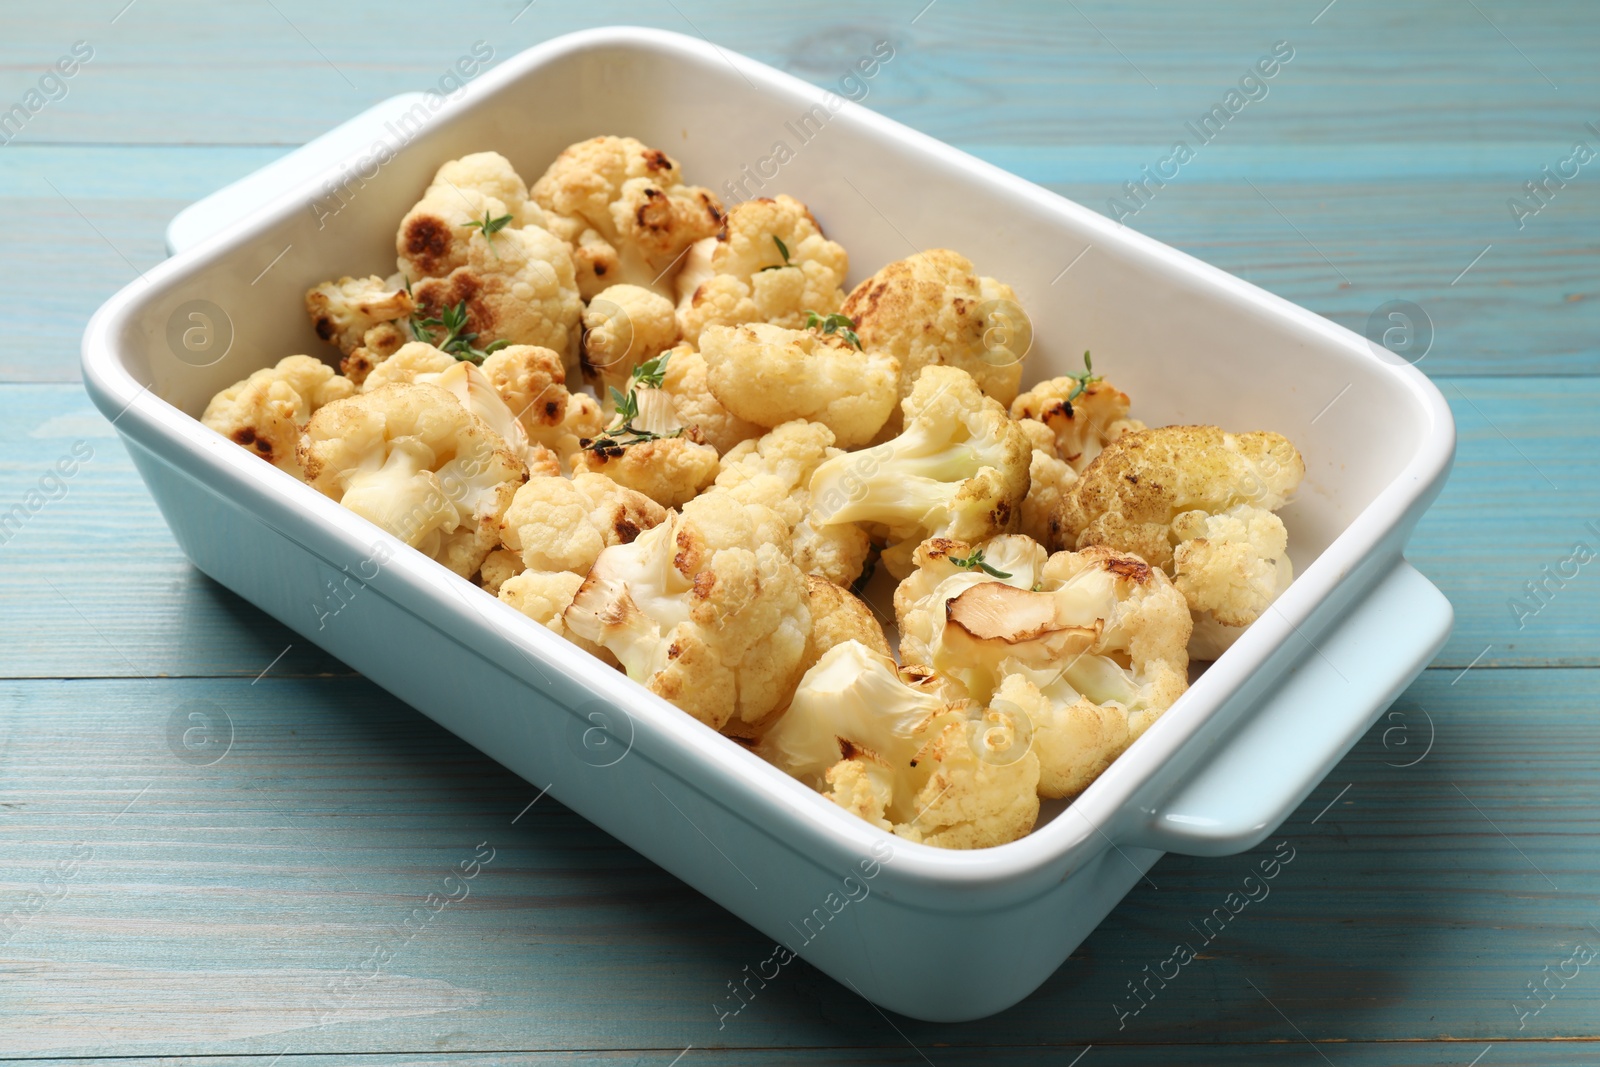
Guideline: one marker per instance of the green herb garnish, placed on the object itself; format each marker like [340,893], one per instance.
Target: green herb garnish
[783,250]
[457,338]
[1084,380]
[489,226]
[842,325]
[651,374]
[975,562]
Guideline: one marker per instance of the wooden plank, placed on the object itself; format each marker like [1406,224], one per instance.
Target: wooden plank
[209,904]
[1032,72]
[97,587]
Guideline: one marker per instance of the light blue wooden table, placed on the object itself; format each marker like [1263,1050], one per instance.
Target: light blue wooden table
[153,908]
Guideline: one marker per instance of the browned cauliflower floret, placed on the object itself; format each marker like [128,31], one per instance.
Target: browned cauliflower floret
[544,597]
[932,309]
[415,461]
[687,382]
[434,235]
[647,446]
[1198,503]
[623,327]
[705,610]
[959,470]
[899,756]
[377,345]
[560,525]
[771,375]
[625,212]
[266,412]
[776,471]
[516,286]
[532,381]
[770,263]
[837,616]
[1049,478]
[343,311]
[1082,651]
[1083,414]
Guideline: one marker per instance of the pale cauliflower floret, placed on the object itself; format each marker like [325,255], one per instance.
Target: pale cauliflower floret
[1049,479]
[1082,650]
[670,470]
[266,412]
[623,327]
[776,471]
[415,461]
[959,470]
[434,235]
[837,616]
[497,567]
[544,597]
[560,525]
[901,757]
[932,309]
[705,610]
[688,385]
[1154,491]
[343,311]
[1081,427]
[740,276]
[517,286]
[423,364]
[625,212]
[771,375]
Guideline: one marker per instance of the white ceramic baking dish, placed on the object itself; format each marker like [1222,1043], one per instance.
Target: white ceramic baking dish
[933,934]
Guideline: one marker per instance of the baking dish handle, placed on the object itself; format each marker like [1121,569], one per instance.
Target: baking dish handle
[1290,742]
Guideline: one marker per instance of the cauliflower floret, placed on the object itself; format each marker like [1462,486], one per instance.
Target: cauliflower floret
[745,275]
[415,461]
[776,471]
[959,470]
[544,597]
[1154,491]
[688,385]
[705,610]
[651,451]
[625,212]
[1049,479]
[377,345]
[1089,647]
[1081,426]
[497,567]
[560,525]
[902,758]
[837,616]
[435,234]
[422,364]
[343,311]
[771,375]
[517,286]
[266,412]
[932,309]
[623,327]
[533,383]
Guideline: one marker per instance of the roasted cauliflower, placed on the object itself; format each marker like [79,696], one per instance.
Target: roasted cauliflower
[435,235]
[624,326]
[554,524]
[770,263]
[776,471]
[959,470]
[647,446]
[623,209]
[415,461]
[902,758]
[770,375]
[266,412]
[345,311]
[706,610]
[687,382]
[1082,412]
[516,286]
[1198,503]
[932,309]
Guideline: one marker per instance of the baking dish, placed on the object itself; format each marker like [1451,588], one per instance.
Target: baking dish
[933,934]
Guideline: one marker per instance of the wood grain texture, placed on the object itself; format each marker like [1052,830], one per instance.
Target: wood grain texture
[198,911]
[1416,904]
